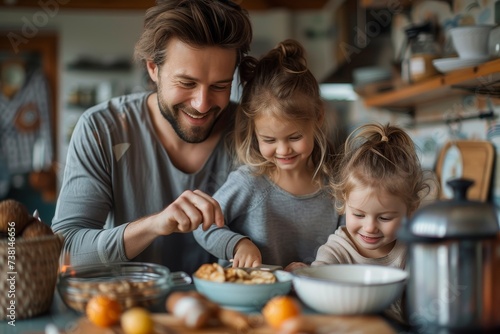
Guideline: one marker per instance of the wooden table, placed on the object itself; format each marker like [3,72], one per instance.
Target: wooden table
[166,323]
[70,322]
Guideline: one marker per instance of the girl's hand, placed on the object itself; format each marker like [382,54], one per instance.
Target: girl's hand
[295,265]
[246,255]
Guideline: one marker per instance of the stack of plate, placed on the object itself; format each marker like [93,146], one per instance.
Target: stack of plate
[445,65]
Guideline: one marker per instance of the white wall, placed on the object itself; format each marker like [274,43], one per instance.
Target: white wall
[269,28]
[312,28]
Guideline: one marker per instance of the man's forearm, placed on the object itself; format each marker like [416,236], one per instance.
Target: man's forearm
[138,235]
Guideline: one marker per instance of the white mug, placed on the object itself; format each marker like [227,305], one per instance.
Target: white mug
[494,42]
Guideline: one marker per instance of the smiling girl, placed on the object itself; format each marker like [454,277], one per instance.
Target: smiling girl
[276,206]
[379,183]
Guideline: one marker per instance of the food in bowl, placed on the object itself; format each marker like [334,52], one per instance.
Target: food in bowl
[214,272]
[130,283]
[349,289]
[250,292]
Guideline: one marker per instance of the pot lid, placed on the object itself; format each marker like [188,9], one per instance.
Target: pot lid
[456,218]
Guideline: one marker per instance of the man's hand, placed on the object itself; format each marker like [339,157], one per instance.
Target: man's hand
[190,210]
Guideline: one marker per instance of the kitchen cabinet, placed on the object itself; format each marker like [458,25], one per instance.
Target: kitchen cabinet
[91,82]
[87,84]
[483,79]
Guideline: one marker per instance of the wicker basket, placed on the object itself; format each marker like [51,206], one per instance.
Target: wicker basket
[30,283]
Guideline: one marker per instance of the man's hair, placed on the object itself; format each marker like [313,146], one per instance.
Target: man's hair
[198,23]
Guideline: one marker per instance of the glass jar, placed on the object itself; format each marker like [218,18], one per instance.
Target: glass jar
[494,42]
[421,49]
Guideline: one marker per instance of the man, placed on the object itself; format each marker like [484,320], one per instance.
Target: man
[141,168]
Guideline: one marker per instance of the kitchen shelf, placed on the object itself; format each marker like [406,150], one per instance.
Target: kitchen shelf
[96,66]
[389,4]
[482,79]
[383,3]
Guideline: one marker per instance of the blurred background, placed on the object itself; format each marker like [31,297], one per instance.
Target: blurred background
[57,58]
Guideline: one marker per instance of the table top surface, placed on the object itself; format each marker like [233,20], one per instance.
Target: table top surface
[67,320]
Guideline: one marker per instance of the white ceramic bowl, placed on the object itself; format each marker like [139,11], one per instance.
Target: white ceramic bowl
[244,297]
[349,289]
[471,42]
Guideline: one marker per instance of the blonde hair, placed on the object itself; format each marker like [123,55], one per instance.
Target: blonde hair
[279,85]
[381,157]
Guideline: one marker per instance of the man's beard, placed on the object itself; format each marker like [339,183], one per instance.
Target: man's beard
[193,134]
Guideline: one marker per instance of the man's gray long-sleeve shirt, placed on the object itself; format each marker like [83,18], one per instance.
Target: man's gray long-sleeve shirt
[285,227]
[117,171]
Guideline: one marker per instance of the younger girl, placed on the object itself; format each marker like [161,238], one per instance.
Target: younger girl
[379,183]
[276,207]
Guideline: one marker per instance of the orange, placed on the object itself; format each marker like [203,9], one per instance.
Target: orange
[137,320]
[279,309]
[103,311]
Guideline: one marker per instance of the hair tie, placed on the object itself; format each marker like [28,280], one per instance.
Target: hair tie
[384,138]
